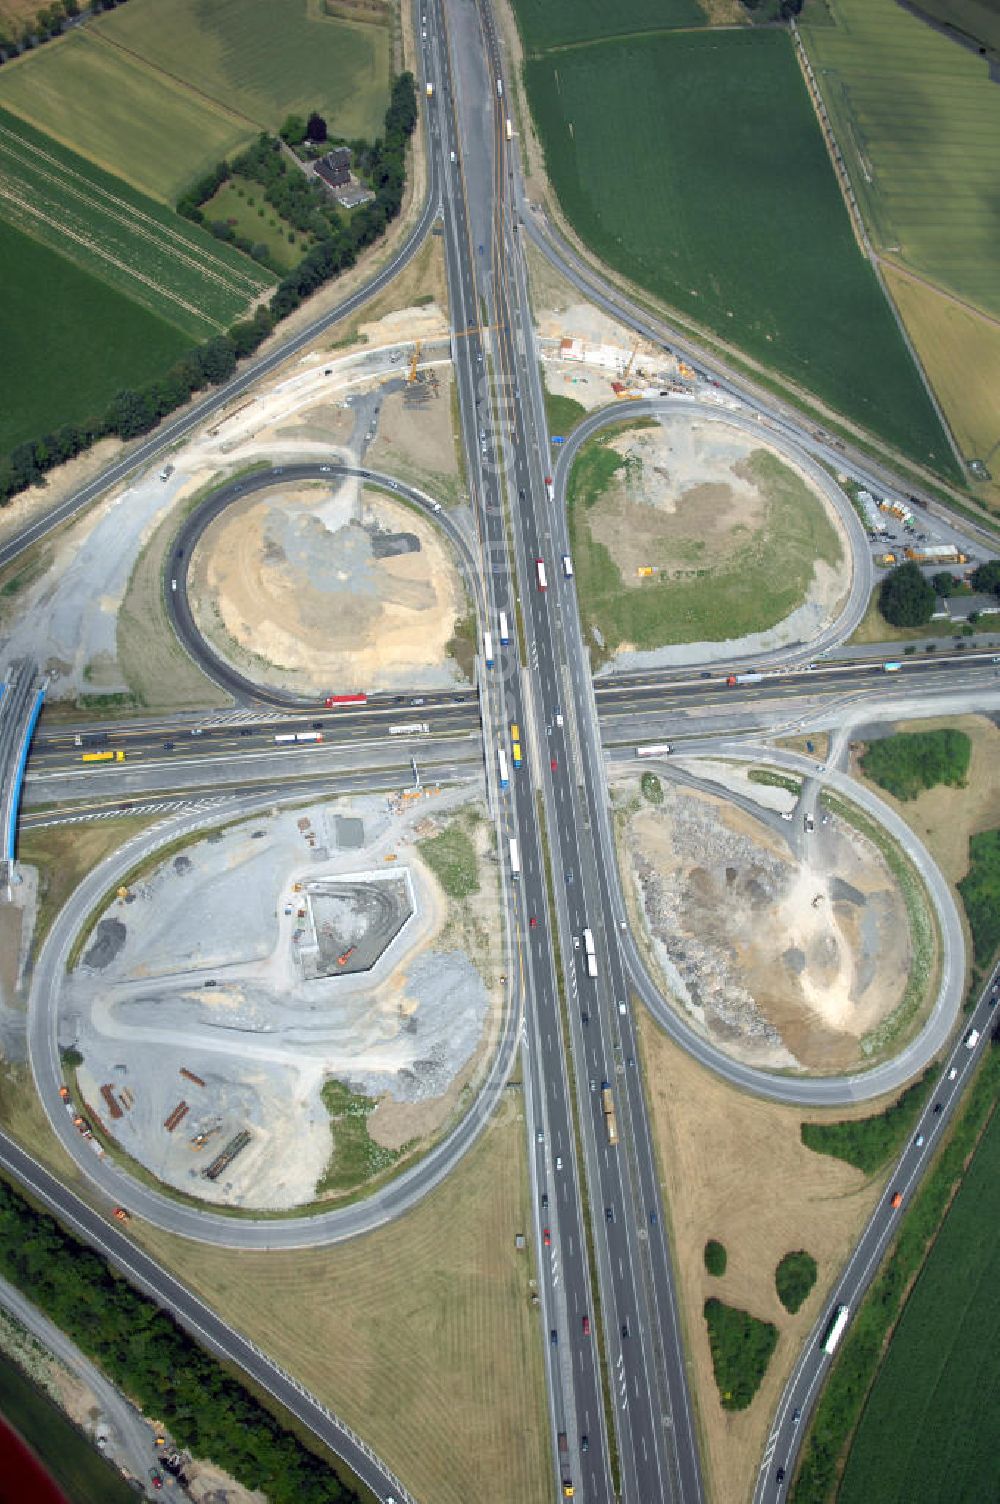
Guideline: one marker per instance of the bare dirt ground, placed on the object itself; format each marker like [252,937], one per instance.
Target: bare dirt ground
[734,1168]
[784,957]
[201,1017]
[417,440]
[303,582]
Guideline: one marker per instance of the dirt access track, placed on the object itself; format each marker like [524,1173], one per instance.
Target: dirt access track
[215,999]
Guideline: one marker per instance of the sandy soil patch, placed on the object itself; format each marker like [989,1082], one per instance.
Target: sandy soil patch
[416,439]
[734,1168]
[315,589]
[785,957]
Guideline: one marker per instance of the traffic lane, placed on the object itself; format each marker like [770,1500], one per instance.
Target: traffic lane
[913,1162]
[639,1433]
[243,764]
[169,433]
[196,1317]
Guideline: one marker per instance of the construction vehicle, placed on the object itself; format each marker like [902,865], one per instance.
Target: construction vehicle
[608,1108]
[937,553]
[122,1214]
[885,561]
[685,370]
[412,374]
[565,1474]
[348,953]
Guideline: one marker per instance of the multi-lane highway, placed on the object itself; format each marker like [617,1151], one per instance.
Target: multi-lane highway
[617,1383]
[803,1388]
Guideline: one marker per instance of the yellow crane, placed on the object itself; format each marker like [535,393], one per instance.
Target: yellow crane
[413,363]
[631,362]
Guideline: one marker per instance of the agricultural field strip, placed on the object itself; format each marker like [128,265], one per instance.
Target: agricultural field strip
[144,61]
[125,212]
[118,234]
[89,244]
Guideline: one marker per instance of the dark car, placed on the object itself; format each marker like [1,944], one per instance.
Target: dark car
[246,731]
[584,1443]
[554,1337]
[625,1329]
[168,746]
[938,1106]
[609,1213]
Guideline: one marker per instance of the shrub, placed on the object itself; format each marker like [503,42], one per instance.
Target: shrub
[716,1258]
[909,762]
[905,598]
[980,890]
[867,1143]
[652,788]
[741,1350]
[794,1278]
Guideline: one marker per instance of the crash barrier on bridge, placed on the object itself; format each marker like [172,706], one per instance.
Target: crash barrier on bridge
[10,834]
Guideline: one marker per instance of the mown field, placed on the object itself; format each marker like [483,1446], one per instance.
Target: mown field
[757,579]
[134,122]
[420,1334]
[241,203]
[174,268]
[926,1432]
[262,61]
[918,121]
[560,23]
[70,341]
[735,217]
[951,340]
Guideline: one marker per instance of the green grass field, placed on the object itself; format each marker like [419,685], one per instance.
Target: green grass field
[70,341]
[175,269]
[560,23]
[925,1432]
[735,218]
[754,581]
[918,121]
[239,202]
[262,61]
[136,123]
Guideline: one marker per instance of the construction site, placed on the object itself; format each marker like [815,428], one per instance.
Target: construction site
[217,996]
[787,948]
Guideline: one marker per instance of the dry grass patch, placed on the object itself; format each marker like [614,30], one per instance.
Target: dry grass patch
[64,854]
[421,282]
[953,341]
[946,818]
[819,741]
[421,1335]
[734,1168]
[152,662]
[22,1117]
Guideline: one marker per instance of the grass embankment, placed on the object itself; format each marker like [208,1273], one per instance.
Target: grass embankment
[924,938]
[741,1350]
[794,1278]
[935,1382]
[64,854]
[745,232]
[980,890]
[451,856]
[75,1464]
[562,413]
[421,1334]
[774,780]
[356,1157]
[747,582]
[910,762]
[869,1143]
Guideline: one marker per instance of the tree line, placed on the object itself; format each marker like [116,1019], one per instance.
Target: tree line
[50,21]
[154,1361]
[339,240]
